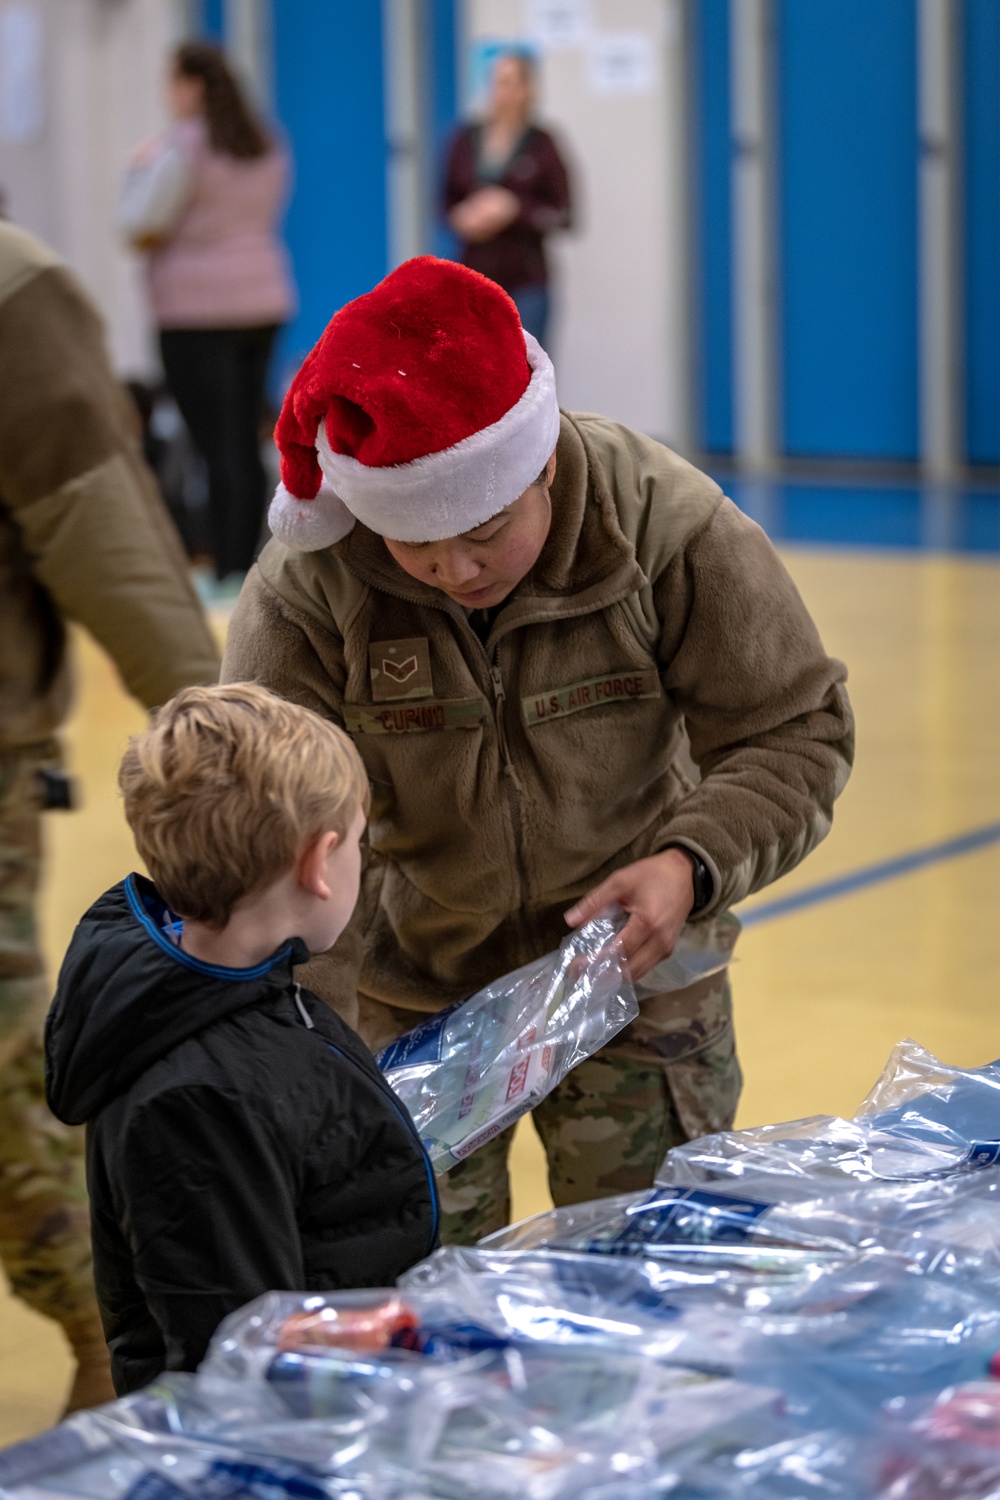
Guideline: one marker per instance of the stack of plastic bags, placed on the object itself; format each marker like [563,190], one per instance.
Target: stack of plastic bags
[809,1309]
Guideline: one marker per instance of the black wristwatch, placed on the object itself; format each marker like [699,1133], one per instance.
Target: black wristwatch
[703,884]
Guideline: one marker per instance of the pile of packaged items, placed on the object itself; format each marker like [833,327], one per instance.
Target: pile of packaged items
[801,1310]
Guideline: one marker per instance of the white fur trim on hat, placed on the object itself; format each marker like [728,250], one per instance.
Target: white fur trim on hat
[459,488]
[309,525]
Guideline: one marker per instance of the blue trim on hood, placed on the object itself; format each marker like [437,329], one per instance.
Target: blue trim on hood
[212,971]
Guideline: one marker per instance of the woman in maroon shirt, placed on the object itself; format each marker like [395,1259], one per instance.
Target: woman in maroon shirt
[506,187]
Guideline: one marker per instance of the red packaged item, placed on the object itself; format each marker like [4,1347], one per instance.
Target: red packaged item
[967,1414]
[956,1455]
[360,1328]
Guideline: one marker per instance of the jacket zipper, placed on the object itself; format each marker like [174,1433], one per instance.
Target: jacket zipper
[397,1105]
[514,789]
[407,1119]
[512,781]
[378,1080]
[499,698]
[307,1019]
[513,785]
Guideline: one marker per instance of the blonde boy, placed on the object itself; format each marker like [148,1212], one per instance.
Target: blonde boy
[239,1136]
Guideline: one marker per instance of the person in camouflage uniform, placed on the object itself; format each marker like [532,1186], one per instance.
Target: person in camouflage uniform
[83,537]
[577,676]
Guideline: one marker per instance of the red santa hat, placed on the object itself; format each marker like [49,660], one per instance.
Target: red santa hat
[423,410]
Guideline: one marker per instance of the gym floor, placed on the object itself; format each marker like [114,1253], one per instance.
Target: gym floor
[889,930]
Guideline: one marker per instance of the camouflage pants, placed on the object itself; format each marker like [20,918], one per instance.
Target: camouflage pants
[44,1218]
[669,1077]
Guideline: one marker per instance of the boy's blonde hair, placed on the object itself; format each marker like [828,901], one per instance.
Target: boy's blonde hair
[224,788]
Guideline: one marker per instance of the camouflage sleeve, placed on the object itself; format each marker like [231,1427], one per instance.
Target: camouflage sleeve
[766,709]
[74,482]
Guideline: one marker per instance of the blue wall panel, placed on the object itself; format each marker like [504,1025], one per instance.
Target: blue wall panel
[212,19]
[848,226]
[712,133]
[328,90]
[444,32]
[982,229]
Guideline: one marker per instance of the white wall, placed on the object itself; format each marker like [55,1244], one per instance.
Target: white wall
[621,336]
[65,138]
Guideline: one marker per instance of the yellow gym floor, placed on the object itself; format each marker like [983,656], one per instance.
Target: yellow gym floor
[823,989]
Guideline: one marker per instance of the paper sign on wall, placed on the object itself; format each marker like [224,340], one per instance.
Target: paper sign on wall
[559,23]
[622,62]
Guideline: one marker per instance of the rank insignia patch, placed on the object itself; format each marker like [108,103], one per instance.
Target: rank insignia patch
[400,670]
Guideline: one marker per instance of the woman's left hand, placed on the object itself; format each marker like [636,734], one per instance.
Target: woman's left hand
[657,893]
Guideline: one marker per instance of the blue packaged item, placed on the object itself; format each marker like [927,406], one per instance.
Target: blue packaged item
[956,1110]
[227,1479]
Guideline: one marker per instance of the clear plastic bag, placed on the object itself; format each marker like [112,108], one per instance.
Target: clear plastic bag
[536,1422]
[923,1119]
[823,1146]
[366,1322]
[553,1298]
[701,950]
[767,1221]
[916,1172]
[863,1327]
[176,1440]
[532,1418]
[947,1110]
[823,1462]
[469,1072]
[484,1400]
[547,1423]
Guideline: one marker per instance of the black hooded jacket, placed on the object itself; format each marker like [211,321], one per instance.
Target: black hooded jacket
[239,1136]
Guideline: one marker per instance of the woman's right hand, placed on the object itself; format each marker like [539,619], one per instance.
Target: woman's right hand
[483,215]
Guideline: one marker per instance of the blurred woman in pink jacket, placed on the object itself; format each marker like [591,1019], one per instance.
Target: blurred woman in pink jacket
[205,199]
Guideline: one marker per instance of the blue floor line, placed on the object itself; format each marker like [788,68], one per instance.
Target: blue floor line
[877,874]
[962,519]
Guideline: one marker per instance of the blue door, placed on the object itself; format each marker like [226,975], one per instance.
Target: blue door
[981,39]
[847,112]
[328,96]
[714,374]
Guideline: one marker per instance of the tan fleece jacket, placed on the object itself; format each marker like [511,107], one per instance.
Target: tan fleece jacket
[83,533]
[508,780]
